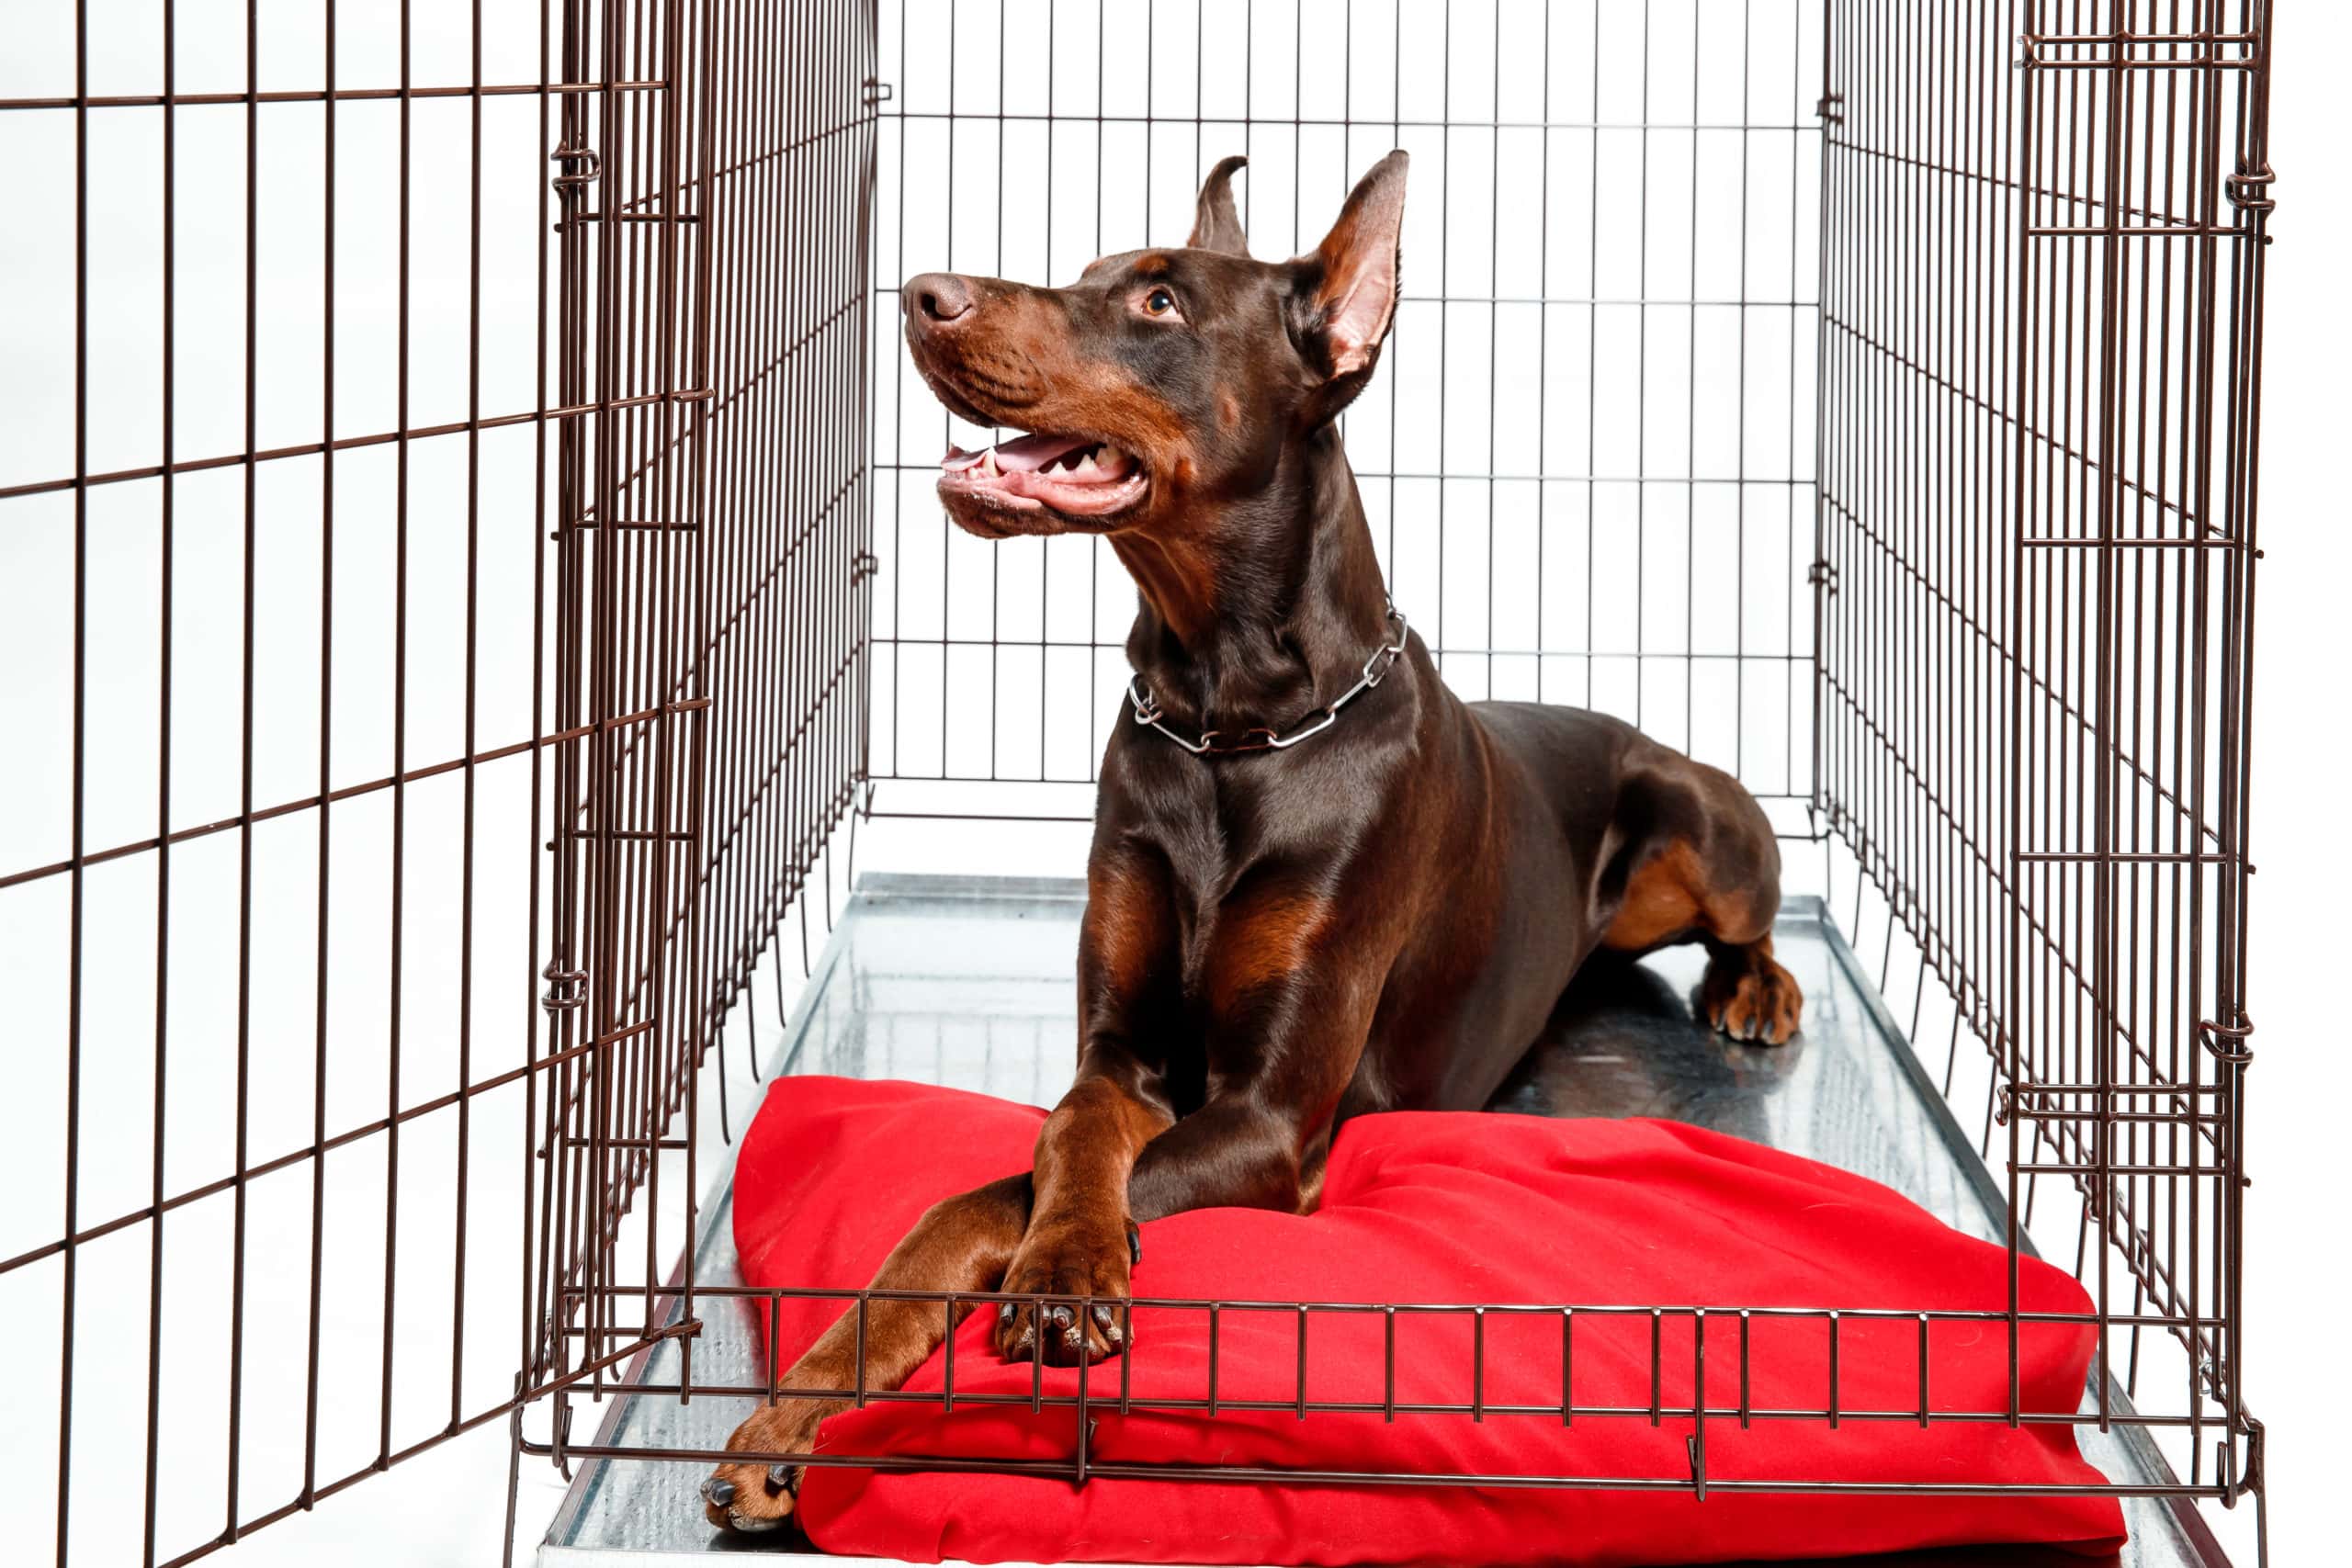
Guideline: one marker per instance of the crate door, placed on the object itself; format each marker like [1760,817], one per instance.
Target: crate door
[2043,232]
[2141,148]
[630,696]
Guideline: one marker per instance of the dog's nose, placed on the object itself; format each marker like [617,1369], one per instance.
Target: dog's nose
[935,298]
[717,1493]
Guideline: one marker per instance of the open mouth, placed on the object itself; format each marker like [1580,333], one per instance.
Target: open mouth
[1075,477]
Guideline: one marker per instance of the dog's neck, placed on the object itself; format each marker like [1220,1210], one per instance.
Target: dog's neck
[1261,609]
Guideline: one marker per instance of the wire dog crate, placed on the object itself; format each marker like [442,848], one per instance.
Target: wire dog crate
[467,547]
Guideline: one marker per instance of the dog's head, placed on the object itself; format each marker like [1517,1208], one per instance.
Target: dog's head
[1162,377]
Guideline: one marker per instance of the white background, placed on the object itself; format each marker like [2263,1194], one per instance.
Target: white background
[446,1506]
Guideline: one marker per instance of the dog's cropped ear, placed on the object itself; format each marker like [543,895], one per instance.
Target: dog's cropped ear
[1215,225]
[1349,293]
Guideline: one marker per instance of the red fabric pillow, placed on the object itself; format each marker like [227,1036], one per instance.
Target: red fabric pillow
[1426,1208]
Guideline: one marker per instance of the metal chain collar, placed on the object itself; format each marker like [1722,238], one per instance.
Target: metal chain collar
[1148,711]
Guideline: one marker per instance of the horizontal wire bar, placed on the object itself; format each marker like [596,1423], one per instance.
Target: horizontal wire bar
[2142,857]
[2129,542]
[343,444]
[1287,1477]
[1469,477]
[1579,300]
[2134,40]
[1537,1310]
[2143,232]
[2127,62]
[369,1128]
[1067,643]
[348,792]
[1275,122]
[1666,1410]
[321,94]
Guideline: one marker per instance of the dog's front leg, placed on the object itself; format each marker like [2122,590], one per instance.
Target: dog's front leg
[961,1244]
[1287,1003]
[1080,1239]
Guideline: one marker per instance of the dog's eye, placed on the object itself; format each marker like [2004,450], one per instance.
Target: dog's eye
[1159,302]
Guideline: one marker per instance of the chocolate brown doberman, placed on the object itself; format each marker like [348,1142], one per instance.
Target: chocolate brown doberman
[1320,884]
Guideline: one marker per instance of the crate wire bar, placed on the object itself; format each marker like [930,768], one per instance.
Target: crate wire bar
[1863,396]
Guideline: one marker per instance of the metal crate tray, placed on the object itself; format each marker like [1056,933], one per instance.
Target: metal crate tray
[966,981]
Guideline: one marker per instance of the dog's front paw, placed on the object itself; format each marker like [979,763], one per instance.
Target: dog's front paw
[759,1495]
[1750,996]
[1067,1260]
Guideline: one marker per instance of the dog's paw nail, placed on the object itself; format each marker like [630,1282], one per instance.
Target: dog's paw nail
[1135,1245]
[1004,1313]
[717,1493]
[1105,1315]
[785,1477]
[1060,1316]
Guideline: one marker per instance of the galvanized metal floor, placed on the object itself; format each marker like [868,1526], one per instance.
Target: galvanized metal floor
[966,981]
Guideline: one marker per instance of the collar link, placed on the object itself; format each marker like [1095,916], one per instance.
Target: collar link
[1223,743]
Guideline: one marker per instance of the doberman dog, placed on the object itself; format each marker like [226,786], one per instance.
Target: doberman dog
[1320,884]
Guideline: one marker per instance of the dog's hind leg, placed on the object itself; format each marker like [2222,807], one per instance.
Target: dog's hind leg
[1702,864]
[962,1244]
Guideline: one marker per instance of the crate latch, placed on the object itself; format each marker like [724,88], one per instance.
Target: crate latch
[2249,190]
[2227,1042]
[567,988]
[581,166]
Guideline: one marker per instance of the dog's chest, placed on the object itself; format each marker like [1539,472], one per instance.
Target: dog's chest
[1256,868]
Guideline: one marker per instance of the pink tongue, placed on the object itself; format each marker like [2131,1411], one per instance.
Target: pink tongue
[1030,452]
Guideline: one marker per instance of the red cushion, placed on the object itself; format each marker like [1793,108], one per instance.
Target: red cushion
[1426,1208]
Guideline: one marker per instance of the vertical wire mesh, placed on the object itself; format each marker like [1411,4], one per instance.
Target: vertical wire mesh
[712,644]
[301,756]
[2041,317]
[432,510]
[1588,465]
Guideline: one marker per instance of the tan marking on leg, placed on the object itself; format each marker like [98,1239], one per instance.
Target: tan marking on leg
[1126,927]
[1262,939]
[961,1244]
[1663,900]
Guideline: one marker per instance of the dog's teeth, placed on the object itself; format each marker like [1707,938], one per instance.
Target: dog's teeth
[1085,464]
[988,461]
